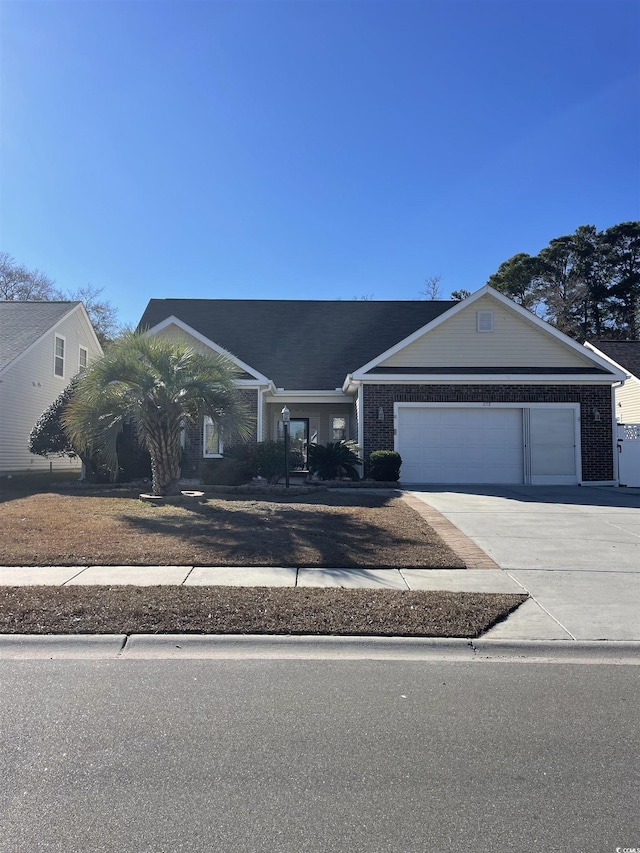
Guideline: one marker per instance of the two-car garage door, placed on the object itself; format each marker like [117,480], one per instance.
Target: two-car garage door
[487,444]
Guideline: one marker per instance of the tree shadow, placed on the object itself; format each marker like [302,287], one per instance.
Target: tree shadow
[293,534]
[26,485]
[558,495]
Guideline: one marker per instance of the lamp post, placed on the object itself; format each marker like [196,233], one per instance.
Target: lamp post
[286,416]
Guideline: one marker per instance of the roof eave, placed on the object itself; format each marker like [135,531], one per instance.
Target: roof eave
[490,378]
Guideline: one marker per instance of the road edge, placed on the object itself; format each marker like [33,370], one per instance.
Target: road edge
[269,647]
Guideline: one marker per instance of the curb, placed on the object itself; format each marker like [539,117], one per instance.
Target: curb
[60,646]
[270,647]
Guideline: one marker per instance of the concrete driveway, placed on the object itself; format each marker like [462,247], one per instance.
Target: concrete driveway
[576,550]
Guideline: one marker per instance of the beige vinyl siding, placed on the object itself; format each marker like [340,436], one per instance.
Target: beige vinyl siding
[28,386]
[628,402]
[175,333]
[513,343]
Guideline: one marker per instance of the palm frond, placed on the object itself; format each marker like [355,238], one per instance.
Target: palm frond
[160,384]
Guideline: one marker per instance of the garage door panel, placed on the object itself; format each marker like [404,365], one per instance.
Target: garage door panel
[450,456]
[412,435]
[432,435]
[460,445]
[429,455]
[556,461]
[454,436]
[412,417]
[552,445]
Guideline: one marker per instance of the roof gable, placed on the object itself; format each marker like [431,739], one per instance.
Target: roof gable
[175,329]
[23,324]
[519,343]
[298,344]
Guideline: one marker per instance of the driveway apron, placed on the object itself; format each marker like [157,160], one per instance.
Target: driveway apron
[576,550]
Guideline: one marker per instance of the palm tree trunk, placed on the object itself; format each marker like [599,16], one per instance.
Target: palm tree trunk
[165,462]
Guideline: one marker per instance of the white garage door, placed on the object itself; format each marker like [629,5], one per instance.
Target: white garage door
[552,453]
[467,445]
[449,444]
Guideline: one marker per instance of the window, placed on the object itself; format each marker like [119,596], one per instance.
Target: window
[338,429]
[83,358]
[212,442]
[58,359]
[485,321]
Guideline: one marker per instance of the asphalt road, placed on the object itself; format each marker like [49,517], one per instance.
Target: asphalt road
[293,756]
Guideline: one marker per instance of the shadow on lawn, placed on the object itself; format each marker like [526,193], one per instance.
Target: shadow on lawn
[24,485]
[32,485]
[290,534]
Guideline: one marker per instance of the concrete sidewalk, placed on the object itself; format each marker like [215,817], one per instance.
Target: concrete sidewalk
[456,580]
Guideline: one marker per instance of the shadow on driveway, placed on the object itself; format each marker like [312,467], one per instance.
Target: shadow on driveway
[575,495]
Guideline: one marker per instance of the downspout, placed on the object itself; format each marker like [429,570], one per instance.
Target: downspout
[616,446]
[260,420]
[349,384]
[360,410]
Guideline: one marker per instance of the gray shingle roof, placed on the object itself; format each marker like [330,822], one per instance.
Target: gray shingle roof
[23,323]
[299,344]
[625,353]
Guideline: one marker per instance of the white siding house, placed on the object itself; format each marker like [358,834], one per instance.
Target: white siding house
[624,355]
[43,345]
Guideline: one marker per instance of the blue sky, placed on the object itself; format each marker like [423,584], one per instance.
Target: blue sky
[323,150]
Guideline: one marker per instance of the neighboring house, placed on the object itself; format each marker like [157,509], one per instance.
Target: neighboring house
[43,345]
[625,356]
[478,391]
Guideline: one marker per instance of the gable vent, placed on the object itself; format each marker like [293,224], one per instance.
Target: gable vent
[485,321]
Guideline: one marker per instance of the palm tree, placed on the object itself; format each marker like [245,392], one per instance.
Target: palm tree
[335,459]
[162,385]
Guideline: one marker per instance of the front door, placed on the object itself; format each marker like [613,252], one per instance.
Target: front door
[298,441]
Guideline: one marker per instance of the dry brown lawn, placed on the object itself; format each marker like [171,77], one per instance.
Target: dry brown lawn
[259,610]
[112,527]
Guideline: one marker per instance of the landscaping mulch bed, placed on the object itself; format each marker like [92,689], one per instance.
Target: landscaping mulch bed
[249,610]
[112,527]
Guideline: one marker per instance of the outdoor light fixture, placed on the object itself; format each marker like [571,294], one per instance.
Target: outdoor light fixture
[286,417]
[380,413]
[596,415]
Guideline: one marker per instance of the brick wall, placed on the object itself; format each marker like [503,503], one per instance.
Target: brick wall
[596,435]
[194,440]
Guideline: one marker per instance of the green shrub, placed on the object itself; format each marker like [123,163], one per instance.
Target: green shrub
[333,460]
[225,472]
[264,459]
[385,465]
[251,459]
[269,460]
[48,438]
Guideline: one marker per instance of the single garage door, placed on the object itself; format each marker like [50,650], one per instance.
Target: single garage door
[465,445]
